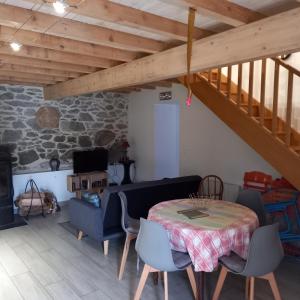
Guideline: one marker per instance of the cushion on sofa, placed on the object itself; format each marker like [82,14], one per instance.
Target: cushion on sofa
[92,198]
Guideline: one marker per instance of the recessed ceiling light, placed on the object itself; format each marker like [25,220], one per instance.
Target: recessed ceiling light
[60,7]
[15,46]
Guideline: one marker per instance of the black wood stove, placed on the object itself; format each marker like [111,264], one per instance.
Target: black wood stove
[7,217]
[6,190]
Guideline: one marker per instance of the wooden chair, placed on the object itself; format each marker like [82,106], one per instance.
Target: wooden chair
[212,187]
[265,254]
[153,247]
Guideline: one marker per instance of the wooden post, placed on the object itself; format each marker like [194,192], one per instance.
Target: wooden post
[250,94]
[262,92]
[288,120]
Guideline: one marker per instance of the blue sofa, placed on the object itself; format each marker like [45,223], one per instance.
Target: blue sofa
[104,223]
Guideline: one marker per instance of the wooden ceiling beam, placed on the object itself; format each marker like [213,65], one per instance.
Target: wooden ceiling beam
[39,63]
[135,18]
[222,10]
[58,56]
[234,46]
[32,76]
[42,71]
[14,82]
[31,38]
[128,16]
[13,16]
[19,79]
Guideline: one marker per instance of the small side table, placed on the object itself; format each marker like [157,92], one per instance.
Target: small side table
[126,164]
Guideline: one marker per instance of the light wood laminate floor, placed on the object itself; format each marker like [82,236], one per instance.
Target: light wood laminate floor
[44,261]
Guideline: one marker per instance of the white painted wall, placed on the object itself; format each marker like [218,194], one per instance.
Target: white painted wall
[207,145]
[56,182]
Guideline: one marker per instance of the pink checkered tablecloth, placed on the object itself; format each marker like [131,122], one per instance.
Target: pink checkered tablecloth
[228,227]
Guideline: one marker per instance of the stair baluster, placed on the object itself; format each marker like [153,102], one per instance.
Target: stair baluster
[275,99]
[239,91]
[250,92]
[229,82]
[288,121]
[219,79]
[262,92]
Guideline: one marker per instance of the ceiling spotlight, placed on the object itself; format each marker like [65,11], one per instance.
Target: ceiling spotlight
[59,7]
[15,46]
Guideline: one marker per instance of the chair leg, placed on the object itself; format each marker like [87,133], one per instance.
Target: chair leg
[166,285]
[79,236]
[129,237]
[142,282]
[251,293]
[247,288]
[272,281]
[220,283]
[192,280]
[105,247]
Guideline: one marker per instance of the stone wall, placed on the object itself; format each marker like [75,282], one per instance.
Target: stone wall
[37,130]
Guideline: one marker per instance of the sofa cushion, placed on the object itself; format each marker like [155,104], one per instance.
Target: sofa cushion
[92,198]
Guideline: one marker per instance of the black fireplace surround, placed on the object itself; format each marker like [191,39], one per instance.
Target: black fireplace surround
[6,190]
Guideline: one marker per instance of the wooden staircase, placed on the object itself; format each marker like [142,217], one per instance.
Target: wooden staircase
[229,93]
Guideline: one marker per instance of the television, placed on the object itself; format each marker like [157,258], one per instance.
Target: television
[90,161]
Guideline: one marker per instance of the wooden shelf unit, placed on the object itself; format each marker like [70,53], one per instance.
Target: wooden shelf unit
[87,182]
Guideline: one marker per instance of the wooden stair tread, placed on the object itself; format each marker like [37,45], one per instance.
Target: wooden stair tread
[246,104]
[265,118]
[296,147]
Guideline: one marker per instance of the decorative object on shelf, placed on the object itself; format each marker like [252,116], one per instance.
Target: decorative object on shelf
[125,145]
[191,22]
[54,164]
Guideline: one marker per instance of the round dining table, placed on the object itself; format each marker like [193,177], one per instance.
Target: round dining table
[206,229]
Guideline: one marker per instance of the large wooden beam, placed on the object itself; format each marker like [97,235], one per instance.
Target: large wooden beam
[58,56]
[234,46]
[33,70]
[42,40]
[129,16]
[222,10]
[39,63]
[13,16]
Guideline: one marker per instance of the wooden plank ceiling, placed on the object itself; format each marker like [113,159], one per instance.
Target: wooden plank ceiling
[102,34]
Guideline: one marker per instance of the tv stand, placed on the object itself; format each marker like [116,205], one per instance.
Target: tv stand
[93,182]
